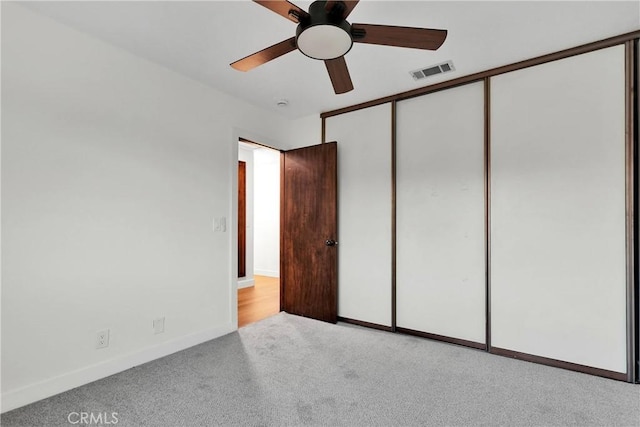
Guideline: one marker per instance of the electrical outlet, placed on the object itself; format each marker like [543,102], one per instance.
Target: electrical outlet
[158,325]
[102,339]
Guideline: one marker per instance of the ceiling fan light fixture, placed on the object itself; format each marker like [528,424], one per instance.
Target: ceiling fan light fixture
[323,35]
[324,41]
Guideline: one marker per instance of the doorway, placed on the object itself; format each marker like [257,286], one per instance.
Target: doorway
[258,232]
[305,247]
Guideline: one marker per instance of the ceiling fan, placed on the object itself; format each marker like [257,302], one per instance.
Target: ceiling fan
[323,33]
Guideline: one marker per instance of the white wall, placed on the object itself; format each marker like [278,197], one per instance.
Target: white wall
[558,284]
[303,132]
[364,213]
[267,212]
[113,169]
[245,154]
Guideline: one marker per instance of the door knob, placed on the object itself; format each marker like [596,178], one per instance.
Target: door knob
[330,242]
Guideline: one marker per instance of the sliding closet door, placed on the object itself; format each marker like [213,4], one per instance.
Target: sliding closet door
[558,210]
[364,213]
[440,214]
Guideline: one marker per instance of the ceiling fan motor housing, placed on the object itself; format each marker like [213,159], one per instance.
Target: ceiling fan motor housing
[324,34]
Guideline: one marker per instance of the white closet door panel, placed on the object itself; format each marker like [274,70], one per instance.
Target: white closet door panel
[440,213]
[364,213]
[558,210]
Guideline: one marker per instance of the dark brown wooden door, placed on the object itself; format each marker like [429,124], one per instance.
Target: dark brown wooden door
[308,252]
[242,219]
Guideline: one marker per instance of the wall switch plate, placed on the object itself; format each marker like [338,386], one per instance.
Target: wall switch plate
[102,339]
[158,325]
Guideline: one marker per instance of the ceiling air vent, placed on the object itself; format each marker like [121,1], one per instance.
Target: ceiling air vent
[422,73]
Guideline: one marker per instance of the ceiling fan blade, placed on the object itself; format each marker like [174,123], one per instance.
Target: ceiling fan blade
[265,55]
[339,74]
[348,6]
[284,8]
[416,38]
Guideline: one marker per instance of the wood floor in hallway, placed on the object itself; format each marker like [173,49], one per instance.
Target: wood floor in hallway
[259,301]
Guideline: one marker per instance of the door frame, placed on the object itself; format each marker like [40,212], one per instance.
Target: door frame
[242,219]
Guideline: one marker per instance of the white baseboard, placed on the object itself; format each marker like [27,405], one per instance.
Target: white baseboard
[245,283]
[41,390]
[268,273]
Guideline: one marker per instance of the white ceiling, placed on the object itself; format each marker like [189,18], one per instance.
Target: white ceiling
[200,39]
